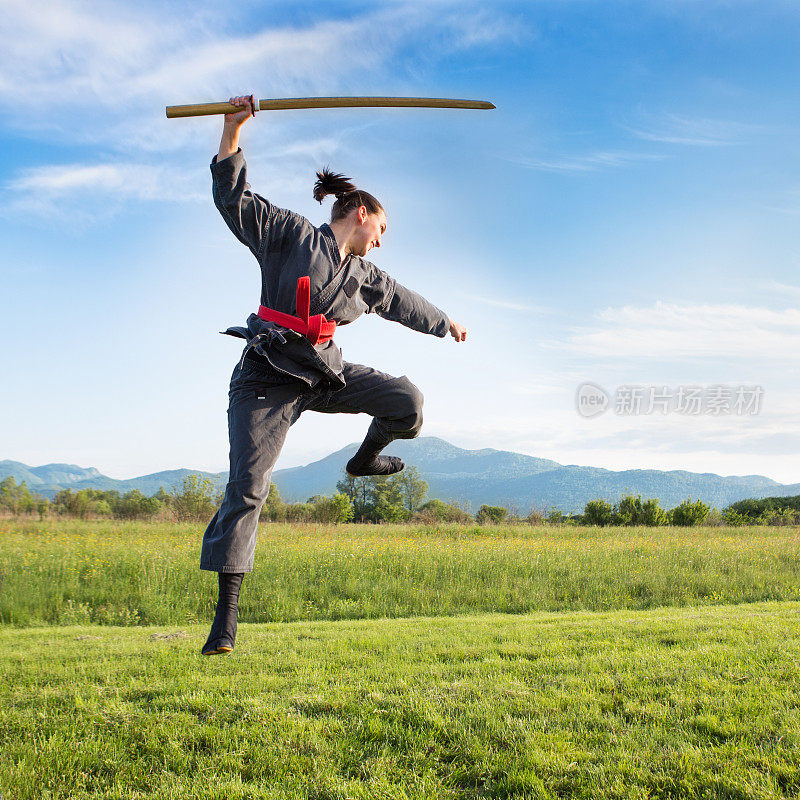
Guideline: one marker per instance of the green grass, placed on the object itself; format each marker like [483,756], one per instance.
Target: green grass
[376,665]
[665,703]
[74,572]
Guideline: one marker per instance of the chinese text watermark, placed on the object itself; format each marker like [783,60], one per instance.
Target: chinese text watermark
[631,400]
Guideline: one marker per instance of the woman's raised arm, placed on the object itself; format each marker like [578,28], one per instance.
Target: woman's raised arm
[247,214]
[229,143]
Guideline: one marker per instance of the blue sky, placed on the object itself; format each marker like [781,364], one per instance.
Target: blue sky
[628,215]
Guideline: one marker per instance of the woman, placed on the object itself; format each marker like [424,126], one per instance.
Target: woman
[312,279]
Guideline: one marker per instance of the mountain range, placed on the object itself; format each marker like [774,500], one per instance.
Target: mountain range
[468,477]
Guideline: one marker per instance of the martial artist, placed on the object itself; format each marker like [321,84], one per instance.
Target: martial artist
[312,279]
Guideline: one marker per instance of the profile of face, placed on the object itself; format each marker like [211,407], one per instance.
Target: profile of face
[370,228]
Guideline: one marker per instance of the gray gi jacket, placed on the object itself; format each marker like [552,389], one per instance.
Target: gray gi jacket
[287,247]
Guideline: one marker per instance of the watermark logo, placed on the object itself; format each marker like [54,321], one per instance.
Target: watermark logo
[591,400]
[634,400]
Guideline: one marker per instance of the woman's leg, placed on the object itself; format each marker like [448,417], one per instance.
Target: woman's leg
[395,406]
[259,417]
[260,413]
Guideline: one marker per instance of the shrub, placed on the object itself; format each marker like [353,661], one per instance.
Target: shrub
[735,518]
[491,514]
[598,512]
[274,509]
[101,507]
[336,509]
[535,517]
[629,510]
[689,513]
[438,511]
[787,516]
[387,511]
[767,510]
[652,513]
[299,512]
[17,498]
[134,505]
[195,500]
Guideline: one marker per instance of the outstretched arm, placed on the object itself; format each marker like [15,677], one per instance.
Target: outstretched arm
[247,214]
[391,300]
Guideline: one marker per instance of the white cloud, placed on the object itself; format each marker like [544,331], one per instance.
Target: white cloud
[507,304]
[141,181]
[590,162]
[674,332]
[765,443]
[677,129]
[483,27]
[781,288]
[100,75]
[316,149]
[78,58]
[97,190]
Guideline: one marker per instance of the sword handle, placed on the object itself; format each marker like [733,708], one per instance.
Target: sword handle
[204,109]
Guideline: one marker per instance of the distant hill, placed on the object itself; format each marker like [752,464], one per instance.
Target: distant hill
[51,478]
[514,480]
[469,477]
[453,474]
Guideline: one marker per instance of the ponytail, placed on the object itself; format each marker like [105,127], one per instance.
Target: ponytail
[347,195]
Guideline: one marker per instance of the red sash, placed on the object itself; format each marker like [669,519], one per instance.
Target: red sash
[316,329]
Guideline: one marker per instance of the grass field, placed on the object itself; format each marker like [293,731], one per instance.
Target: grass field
[667,703]
[74,572]
[382,662]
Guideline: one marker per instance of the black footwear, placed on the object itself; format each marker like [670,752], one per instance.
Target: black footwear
[223,631]
[379,465]
[222,647]
[367,461]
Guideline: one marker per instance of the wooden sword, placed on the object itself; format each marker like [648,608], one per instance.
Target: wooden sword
[203,109]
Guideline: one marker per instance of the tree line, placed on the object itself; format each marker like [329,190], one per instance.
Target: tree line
[195,498]
[377,499]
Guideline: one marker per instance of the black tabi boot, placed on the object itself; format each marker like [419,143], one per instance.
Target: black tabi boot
[367,461]
[223,630]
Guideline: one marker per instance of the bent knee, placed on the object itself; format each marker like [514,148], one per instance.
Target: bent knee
[413,400]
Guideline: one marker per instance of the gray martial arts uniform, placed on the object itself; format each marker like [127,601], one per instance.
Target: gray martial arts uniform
[281,373]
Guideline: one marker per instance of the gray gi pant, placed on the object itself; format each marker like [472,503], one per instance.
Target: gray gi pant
[262,407]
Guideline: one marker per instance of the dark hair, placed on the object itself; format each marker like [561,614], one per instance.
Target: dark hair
[347,195]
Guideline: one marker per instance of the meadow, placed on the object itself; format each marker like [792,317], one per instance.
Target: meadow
[402,662]
[75,572]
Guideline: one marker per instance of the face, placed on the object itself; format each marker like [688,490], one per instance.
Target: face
[371,228]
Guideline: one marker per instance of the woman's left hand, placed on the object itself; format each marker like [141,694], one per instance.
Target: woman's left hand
[458,332]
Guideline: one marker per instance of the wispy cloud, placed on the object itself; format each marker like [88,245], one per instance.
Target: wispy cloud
[781,288]
[484,26]
[696,443]
[676,129]
[140,181]
[507,304]
[100,75]
[317,149]
[76,58]
[733,435]
[589,162]
[692,331]
[88,192]
[789,203]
